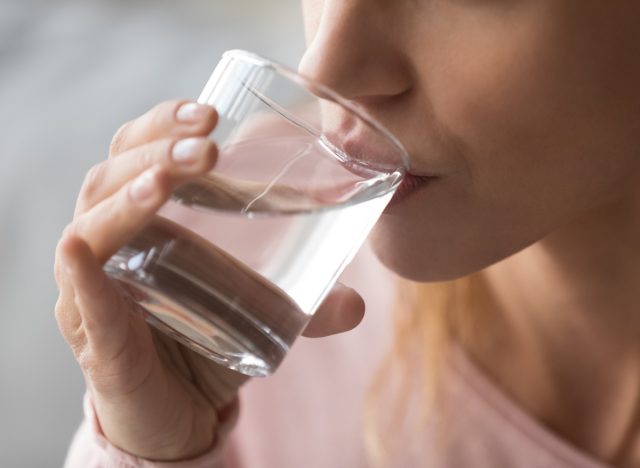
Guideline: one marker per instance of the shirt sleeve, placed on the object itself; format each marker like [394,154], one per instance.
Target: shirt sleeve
[91,449]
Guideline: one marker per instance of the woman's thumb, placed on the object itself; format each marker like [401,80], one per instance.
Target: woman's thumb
[341,311]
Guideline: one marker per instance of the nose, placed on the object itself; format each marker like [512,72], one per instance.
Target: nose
[354,50]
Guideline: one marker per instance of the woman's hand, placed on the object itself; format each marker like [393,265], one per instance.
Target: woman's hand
[153,397]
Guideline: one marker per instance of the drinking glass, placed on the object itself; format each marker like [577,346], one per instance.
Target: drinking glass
[237,262]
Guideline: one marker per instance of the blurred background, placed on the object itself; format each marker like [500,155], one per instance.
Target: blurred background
[71,72]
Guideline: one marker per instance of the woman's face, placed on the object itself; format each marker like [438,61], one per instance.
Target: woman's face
[528,111]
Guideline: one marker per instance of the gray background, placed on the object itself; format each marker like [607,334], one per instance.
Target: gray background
[71,72]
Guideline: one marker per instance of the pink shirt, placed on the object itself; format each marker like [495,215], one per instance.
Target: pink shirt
[309,413]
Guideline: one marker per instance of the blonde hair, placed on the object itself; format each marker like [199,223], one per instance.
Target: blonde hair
[428,318]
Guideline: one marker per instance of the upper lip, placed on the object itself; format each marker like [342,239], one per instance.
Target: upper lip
[419,167]
[359,144]
[386,110]
[419,172]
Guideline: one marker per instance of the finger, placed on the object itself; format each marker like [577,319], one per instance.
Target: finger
[168,119]
[66,313]
[341,311]
[115,220]
[100,306]
[186,156]
[69,321]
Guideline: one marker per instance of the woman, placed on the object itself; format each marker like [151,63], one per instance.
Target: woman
[526,116]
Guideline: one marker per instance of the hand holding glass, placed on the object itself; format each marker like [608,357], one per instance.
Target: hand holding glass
[237,262]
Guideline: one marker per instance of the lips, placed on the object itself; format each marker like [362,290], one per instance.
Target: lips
[365,148]
[410,184]
[367,152]
[370,158]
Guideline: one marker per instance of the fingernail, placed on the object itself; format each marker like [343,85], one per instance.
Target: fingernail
[191,112]
[142,187]
[187,151]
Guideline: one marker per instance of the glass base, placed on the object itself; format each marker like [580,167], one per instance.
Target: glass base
[200,335]
[207,299]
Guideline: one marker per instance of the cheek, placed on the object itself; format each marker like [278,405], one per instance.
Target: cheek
[538,132]
[534,107]
[486,86]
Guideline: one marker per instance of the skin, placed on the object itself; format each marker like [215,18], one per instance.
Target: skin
[528,111]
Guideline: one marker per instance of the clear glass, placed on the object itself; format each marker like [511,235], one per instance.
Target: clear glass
[236,263]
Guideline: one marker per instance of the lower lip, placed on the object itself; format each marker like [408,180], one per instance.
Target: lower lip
[410,184]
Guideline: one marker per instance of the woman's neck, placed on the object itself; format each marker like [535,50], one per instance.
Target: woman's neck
[565,331]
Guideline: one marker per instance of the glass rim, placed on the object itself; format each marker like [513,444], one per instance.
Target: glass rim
[329,93]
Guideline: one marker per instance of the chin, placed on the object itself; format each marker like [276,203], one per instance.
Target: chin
[419,256]
[414,261]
